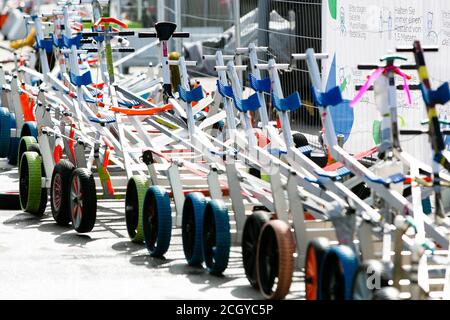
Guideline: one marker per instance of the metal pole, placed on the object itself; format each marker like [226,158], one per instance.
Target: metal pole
[237,30]
[178,42]
[263,22]
[161,10]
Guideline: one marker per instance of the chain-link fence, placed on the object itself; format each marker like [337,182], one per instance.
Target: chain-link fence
[285,26]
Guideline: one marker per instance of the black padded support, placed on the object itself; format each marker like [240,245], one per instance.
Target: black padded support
[164,30]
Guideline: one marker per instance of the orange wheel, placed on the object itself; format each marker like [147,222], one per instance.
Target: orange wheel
[314,255]
[275,259]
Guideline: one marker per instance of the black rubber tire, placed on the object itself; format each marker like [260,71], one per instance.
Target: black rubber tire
[300,140]
[59,192]
[275,259]
[83,200]
[157,221]
[387,293]
[250,235]
[370,270]
[315,253]
[10,201]
[192,228]
[134,203]
[34,147]
[216,237]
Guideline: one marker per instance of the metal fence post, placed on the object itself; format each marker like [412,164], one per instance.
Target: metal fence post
[177,9]
[237,32]
[161,10]
[263,23]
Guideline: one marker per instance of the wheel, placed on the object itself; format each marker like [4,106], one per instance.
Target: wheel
[82,200]
[29,129]
[387,293]
[31,192]
[59,192]
[250,236]
[24,146]
[13,142]
[157,221]
[314,256]
[275,259]
[192,228]
[5,132]
[10,201]
[216,237]
[337,272]
[134,202]
[300,140]
[369,277]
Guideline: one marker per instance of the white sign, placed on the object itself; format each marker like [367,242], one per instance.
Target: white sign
[361,32]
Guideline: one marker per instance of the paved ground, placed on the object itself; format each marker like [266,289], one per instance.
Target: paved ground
[40,260]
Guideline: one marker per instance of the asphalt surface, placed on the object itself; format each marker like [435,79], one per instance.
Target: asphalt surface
[41,260]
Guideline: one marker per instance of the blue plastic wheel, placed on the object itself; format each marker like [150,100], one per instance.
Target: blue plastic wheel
[157,221]
[5,132]
[29,129]
[216,237]
[336,276]
[192,228]
[13,142]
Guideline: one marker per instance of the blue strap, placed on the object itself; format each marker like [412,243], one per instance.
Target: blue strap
[69,42]
[332,97]
[439,96]
[291,103]
[191,96]
[264,85]
[83,80]
[251,104]
[224,90]
[102,120]
[46,44]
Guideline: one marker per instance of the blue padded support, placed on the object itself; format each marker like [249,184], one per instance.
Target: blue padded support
[46,44]
[264,85]
[102,120]
[232,152]
[89,100]
[332,97]
[343,172]
[194,95]
[312,180]
[277,152]
[395,179]
[291,103]
[57,42]
[99,38]
[334,175]
[83,80]
[245,105]
[439,96]
[127,103]
[69,42]
[306,150]
[224,90]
